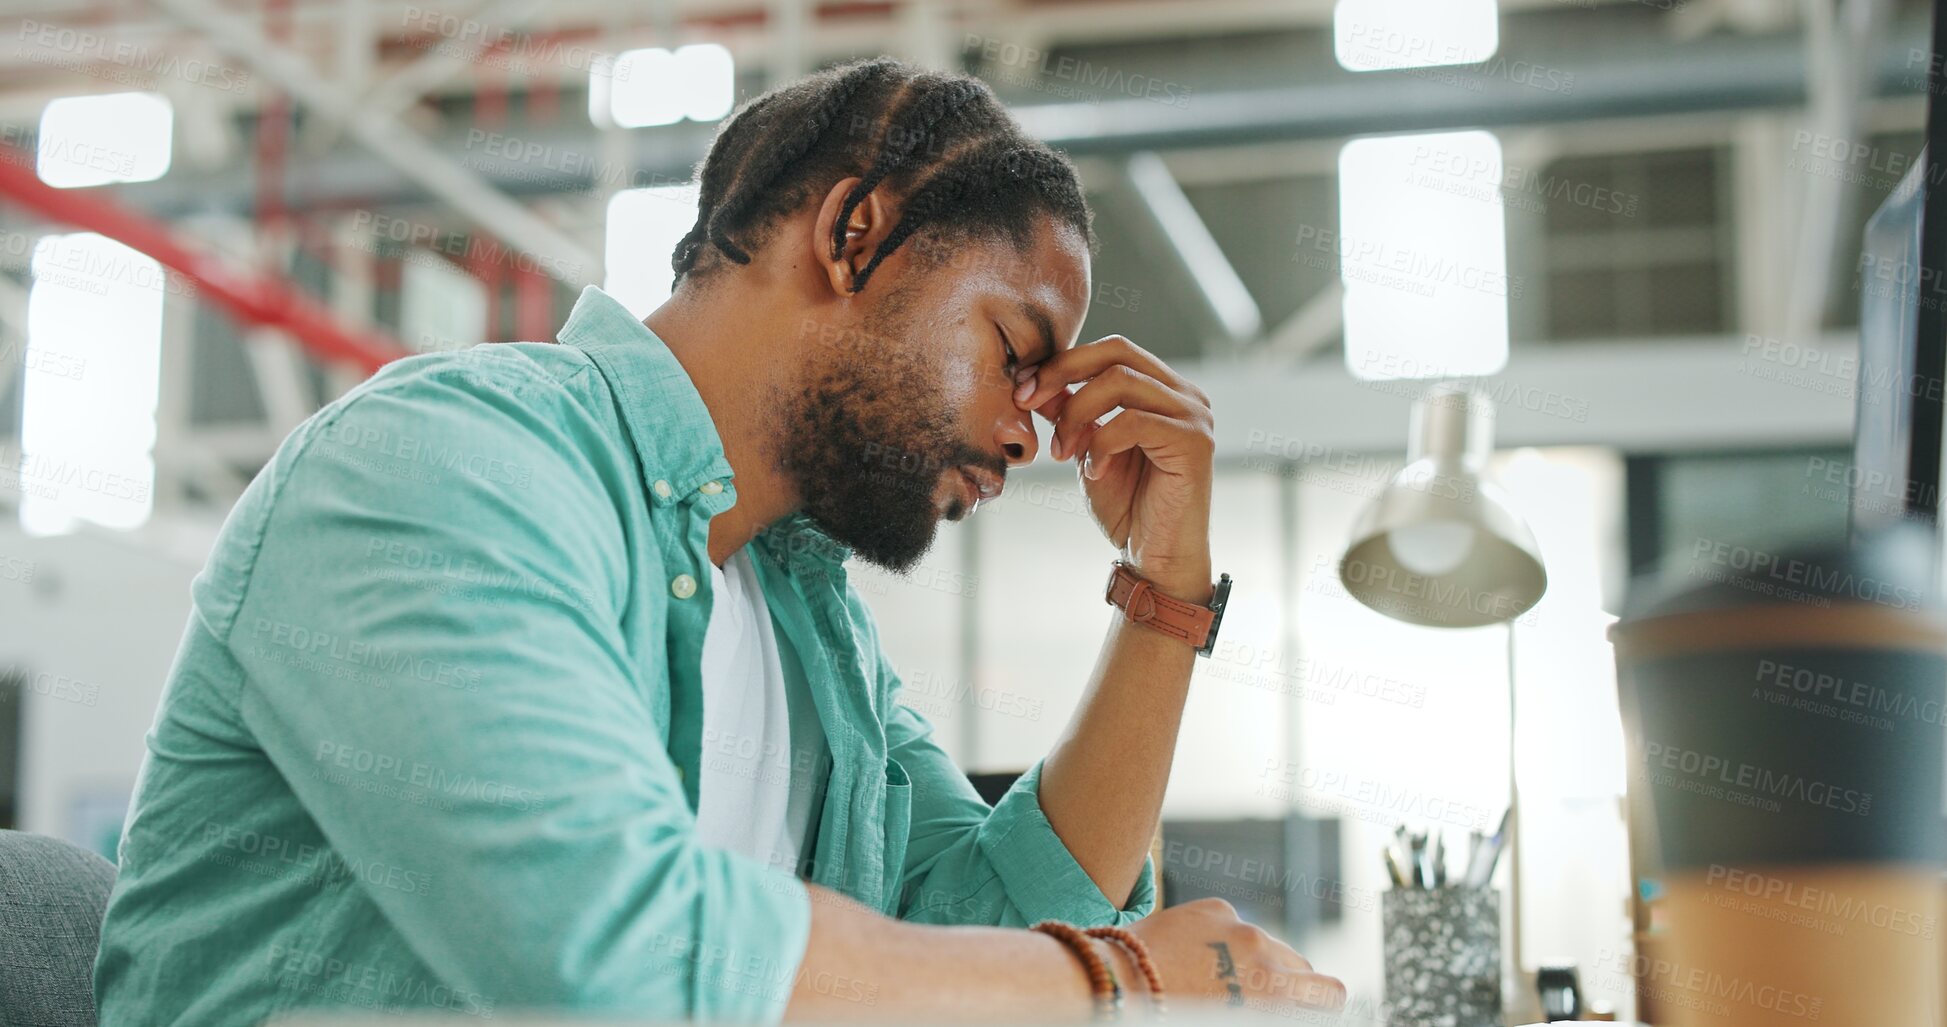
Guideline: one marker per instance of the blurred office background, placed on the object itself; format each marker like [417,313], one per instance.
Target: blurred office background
[1638,219]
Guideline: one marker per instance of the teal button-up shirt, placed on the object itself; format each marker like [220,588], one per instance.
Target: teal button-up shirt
[432,739]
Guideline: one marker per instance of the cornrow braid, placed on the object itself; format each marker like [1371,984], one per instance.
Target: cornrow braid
[715,177]
[902,140]
[979,176]
[772,160]
[941,144]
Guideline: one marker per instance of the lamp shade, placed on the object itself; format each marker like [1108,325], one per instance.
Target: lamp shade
[1441,546]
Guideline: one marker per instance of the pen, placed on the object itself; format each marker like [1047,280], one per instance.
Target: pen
[1492,851]
[1393,868]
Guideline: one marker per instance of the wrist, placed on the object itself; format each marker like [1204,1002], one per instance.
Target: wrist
[1124,965]
[1077,999]
[1192,583]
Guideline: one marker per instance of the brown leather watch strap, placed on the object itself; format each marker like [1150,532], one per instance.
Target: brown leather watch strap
[1193,625]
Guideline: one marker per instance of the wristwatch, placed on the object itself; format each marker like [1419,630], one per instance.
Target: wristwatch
[1195,626]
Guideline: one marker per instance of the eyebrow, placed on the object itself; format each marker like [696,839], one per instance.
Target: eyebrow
[1038,315]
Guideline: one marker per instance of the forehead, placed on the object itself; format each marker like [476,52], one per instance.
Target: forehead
[1051,275]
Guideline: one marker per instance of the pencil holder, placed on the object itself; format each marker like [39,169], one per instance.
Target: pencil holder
[1443,956]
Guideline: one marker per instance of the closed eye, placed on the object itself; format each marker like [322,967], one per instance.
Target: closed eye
[1012,360]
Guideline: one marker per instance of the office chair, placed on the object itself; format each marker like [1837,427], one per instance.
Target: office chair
[52,897]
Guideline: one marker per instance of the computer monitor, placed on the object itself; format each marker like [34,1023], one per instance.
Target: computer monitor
[1893,481]
[1902,384]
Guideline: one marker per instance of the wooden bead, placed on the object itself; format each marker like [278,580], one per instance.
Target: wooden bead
[1139,952]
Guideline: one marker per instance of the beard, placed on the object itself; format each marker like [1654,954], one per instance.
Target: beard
[867,440]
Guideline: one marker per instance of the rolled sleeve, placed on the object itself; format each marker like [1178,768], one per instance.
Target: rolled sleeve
[436,666]
[1041,875]
[968,863]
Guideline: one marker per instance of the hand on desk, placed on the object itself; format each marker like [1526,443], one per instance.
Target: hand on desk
[1205,953]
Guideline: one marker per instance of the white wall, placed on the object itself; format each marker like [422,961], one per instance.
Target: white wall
[96,618]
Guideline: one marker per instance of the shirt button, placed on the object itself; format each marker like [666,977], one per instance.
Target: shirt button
[683,587]
[662,488]
[711,488]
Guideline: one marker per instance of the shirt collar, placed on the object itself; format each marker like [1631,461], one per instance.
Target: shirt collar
[675,438]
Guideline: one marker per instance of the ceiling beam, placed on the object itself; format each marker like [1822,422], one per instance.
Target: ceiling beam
[408,153]
[251,298]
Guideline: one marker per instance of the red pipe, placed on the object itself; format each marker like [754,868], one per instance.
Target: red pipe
[533,304]
[255,299]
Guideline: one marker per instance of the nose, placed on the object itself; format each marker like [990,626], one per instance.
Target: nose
[1015,433]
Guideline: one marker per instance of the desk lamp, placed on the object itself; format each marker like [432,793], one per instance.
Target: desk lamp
[1441,546]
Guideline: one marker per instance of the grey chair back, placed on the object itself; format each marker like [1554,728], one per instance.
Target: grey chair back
[52,896]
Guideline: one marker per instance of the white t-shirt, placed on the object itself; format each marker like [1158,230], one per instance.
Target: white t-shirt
[754,794]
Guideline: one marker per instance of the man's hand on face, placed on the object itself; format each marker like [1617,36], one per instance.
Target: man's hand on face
[1147,472]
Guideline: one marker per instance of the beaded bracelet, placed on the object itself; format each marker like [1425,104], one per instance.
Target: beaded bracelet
[1101,977]
[1139,953]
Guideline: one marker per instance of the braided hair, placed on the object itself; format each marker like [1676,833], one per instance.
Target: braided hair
[942,143]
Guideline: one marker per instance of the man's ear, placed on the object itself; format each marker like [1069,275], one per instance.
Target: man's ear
[865,229]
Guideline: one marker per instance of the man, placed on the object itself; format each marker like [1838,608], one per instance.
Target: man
[465,714]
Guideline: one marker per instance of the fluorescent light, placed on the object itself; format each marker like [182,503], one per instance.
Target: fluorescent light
[1423,253]
[644,226]
[96,140]
[1380,35]
[656,87]
[87,439]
